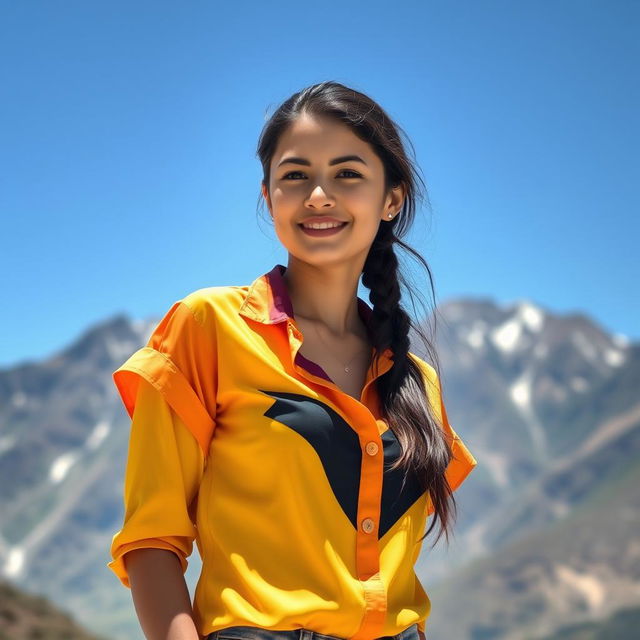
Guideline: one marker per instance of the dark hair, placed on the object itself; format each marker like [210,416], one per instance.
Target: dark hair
[402,390]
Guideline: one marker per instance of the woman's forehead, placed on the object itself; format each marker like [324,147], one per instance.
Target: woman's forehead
[320,140]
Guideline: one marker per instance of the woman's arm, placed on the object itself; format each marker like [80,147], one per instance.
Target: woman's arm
[160,595]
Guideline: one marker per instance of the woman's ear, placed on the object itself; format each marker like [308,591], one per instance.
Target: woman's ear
[397,197]
[265,195]
[394,201]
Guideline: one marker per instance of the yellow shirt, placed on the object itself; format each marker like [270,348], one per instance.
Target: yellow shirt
[240,443]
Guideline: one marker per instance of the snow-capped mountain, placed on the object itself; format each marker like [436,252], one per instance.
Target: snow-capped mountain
[549,404]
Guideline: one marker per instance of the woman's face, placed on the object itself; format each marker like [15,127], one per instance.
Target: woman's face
[307,183]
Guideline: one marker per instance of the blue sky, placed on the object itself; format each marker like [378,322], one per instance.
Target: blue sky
[128,132]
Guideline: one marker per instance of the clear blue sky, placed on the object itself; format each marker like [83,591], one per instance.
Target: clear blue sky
[128,130]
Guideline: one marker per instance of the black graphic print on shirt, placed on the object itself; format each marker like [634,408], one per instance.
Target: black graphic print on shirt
[338,448]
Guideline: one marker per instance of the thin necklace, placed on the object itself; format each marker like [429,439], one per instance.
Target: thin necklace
[345,366]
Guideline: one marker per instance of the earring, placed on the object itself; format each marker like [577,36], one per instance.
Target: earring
[390,215]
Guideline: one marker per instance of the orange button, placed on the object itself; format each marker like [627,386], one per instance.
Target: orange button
[371,448]
[368,525]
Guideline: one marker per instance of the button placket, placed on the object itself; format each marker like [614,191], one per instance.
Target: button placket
[368,524]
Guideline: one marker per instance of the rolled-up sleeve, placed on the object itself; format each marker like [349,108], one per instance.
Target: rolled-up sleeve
[168,388]
[163,473]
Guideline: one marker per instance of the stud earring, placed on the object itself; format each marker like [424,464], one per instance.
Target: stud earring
[390,215]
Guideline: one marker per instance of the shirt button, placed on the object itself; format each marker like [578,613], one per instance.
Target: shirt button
[368,525]
[371,448]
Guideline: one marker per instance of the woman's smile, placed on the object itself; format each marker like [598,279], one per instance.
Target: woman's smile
[321,229]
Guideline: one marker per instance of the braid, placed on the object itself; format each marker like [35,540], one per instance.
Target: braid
[390,324]
[400,389]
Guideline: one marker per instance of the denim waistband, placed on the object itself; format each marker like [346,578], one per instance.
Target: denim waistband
[259,633]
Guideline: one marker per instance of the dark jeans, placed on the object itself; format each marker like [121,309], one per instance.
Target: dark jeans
[258,633]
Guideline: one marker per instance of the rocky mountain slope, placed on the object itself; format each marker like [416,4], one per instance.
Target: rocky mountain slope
[24,615]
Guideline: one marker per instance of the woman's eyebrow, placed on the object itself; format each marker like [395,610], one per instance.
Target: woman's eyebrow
[305,162]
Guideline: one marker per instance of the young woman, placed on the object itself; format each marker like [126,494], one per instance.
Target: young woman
[284,425]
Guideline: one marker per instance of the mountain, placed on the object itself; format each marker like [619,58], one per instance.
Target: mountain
[545,535]
[549,534]
[63,444]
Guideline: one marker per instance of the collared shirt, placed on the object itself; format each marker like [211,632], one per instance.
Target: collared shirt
[247,447]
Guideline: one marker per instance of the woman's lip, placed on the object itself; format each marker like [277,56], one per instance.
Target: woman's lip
[329,231]
[320,220]
[343,222]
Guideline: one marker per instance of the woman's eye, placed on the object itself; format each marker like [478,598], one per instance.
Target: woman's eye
[284,177]
[354,174]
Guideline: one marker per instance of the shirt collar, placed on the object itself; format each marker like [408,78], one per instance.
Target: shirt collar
[268,302]
[268,299]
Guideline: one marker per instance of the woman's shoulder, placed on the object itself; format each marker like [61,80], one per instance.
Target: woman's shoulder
[208,304]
